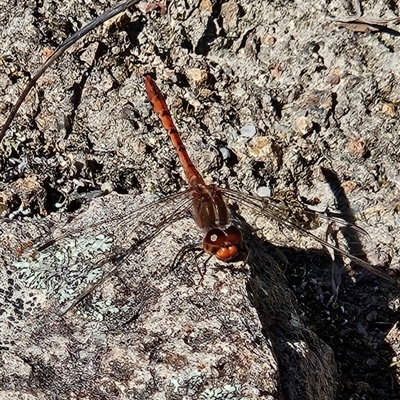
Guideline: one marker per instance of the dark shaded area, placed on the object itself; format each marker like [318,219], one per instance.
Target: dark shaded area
[210,34]
[354,328]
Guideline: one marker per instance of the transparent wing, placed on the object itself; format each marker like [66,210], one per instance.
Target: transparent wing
[96,243]
[298,217]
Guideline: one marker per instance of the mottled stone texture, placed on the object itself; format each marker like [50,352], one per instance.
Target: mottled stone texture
[265,94]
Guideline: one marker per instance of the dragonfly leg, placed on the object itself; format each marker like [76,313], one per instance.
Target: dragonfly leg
[202,271]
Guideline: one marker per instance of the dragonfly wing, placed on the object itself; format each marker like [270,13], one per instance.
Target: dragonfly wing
[288,218]
[95,243]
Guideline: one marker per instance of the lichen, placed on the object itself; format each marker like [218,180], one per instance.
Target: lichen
[60,269]
[228,392]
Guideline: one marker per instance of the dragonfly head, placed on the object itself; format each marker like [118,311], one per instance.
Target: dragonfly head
[225,244]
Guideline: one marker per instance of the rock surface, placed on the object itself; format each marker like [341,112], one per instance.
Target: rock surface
[294,102]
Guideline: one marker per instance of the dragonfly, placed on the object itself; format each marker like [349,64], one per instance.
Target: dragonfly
[114,238]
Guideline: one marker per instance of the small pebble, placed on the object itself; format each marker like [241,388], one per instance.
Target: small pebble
[107,187]
[264,191]
[225,153]
[197,75]
[304,125]
[333,79]
[248,131]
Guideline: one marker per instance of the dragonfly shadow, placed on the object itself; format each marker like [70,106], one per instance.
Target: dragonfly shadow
[280,317]
[311,338]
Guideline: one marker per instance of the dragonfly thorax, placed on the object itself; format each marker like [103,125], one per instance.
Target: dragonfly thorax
[209,207]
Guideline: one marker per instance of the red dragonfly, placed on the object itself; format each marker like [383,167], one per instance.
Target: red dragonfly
[113,238]
[209,208]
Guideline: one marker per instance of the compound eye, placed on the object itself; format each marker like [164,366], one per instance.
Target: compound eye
[214,239]
[224,244]
[227,253]
[234,235]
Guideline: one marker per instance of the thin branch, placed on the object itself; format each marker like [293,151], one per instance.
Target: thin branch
[360,23]
[112,12]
